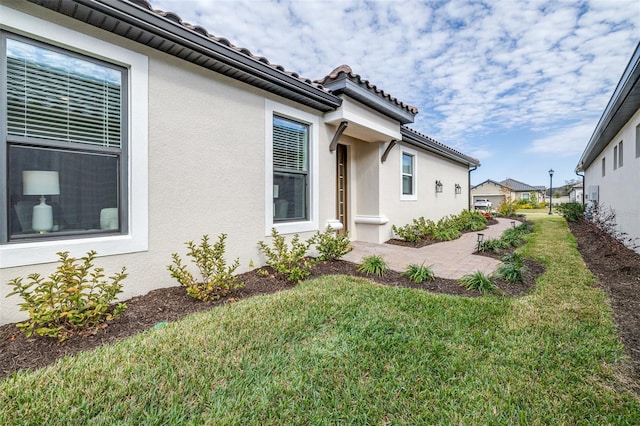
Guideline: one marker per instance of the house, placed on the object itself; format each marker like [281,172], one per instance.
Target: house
[508,189]
[130,132]
[611,159]
[576,194]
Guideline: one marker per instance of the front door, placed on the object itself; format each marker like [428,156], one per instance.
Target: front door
[341,181]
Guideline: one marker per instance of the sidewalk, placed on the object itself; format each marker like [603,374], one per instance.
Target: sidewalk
[449,259]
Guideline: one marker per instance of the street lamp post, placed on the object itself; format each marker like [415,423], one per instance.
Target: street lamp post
[550,190]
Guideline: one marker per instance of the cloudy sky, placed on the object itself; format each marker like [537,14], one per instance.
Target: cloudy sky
[519,84]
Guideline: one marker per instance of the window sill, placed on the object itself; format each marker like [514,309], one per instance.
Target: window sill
[38,252]
[295,227]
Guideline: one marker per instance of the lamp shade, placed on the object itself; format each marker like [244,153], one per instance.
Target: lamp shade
[40,182]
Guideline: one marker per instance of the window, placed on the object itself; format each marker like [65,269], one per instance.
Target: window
[604,169]
[638,141]
[290,170]
[526,196]
[291,163]
[620,154]
[66,123]
[64,116]
[615,157]
[408,173]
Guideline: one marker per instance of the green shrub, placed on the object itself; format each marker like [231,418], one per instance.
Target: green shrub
[512,269]
[292,262]
[424,227]
[512,237]
[507,208]
[471,220]
[373,265]
[406,233]
[419,273]
[493,245]
[446,230]
[75,297]
[216,278]
[479,281]
[573,212]
[331,245]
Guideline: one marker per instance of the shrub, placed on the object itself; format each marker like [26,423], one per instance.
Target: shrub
[507,208]
[492,244]
[419,273]
[292,262]
[373,265]
[331,245]
[424,227]
[471,220]
[217,279]
[479,281]
[573,212]
[511,237]
[406,233]
[75,297]
[512,269]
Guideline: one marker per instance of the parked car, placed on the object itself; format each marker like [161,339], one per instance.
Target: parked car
[482,203]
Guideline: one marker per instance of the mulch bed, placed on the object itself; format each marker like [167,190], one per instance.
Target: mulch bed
[617,269]
[169,304]
[427,241]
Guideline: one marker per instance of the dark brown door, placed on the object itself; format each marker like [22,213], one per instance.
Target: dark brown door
[341,180]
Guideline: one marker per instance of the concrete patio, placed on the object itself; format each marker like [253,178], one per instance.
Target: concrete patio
[449,259]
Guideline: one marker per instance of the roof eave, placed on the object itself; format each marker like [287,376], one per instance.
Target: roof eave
[227,61]
[344,85]
[413,139]
[624,102]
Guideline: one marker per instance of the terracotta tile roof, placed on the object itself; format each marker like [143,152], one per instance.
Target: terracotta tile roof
[356,78]
[203,31]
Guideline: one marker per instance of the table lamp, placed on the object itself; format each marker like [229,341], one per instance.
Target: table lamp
[40,182]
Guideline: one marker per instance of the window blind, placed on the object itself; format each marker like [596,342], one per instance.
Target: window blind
[55,96]
[290,145]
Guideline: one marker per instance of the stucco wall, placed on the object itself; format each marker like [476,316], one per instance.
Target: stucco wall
[619,189]
[206,167]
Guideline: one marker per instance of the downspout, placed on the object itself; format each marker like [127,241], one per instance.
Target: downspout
[584,189]
[469,186]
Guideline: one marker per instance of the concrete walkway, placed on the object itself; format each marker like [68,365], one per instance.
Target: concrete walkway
[449,259]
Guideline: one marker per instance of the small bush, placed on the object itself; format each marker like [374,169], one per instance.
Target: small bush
[406,233]
[75,297]
[512,269]
[573,212]
[507,208]
[217,279]
[331,245]
[419,273]
[470,220]
[493,245]
[373,265]
[424,227]
[292,262]
[479,281]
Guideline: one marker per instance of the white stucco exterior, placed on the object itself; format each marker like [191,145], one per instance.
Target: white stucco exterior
[618,189]
[199,164]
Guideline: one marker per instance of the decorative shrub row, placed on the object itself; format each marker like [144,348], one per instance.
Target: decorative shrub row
[446,229]
[512,237]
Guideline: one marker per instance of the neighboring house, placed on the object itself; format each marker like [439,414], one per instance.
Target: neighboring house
[134,132]
[611,159]
[508,189]
[576,195]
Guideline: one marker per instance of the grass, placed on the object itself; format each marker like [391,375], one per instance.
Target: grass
[344,350]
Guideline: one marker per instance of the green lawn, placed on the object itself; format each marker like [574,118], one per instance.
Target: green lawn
[344,350]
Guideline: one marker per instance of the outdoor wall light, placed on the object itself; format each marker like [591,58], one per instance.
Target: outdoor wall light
[438,186]
[480,239]
[458,189]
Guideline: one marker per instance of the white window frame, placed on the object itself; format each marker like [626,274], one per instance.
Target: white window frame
[414,194]
[275,108]
[137,238]
[620,154]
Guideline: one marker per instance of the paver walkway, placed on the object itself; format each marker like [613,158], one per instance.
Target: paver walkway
[449,259]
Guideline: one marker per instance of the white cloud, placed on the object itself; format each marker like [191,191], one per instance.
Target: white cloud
[565,142]
[471,68]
